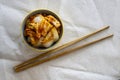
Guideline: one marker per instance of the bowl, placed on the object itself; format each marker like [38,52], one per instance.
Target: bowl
[46,12]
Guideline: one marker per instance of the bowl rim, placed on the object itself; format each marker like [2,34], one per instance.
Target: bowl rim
[37,49]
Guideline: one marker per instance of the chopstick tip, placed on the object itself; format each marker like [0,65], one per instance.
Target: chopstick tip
[108,26]
[15,69]
[112,35]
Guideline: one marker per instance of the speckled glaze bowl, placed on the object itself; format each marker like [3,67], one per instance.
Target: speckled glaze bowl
[41,11]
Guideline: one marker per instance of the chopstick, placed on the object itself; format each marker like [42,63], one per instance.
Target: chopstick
[59,48]
[61,54]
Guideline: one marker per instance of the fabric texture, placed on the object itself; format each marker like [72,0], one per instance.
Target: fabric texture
[100,61]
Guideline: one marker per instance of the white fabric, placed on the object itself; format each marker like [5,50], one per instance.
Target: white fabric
[97,62]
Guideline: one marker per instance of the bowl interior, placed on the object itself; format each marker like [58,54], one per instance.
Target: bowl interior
[47,12]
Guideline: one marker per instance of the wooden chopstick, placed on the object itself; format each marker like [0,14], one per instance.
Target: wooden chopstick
[59,48]
[60,54]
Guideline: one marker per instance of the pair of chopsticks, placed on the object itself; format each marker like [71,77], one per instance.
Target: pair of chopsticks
[40,58]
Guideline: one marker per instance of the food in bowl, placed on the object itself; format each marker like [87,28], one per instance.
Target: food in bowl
[42,30]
